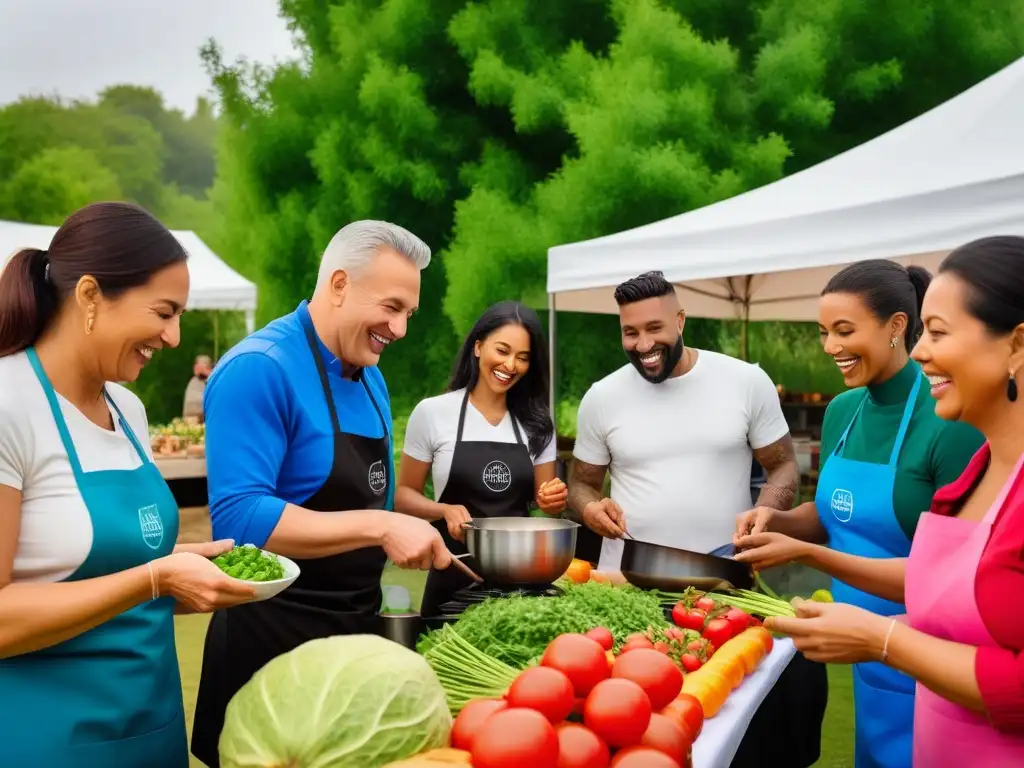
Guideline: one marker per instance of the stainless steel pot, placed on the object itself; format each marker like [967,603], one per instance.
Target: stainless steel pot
[521,550]
[654,566]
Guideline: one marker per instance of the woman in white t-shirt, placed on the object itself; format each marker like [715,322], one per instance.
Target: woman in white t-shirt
[89,573]
[488,442]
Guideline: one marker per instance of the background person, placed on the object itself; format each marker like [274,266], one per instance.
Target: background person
[193,405]
[299,462]
[962,639]
[488,443]
[89,573]
[887,453]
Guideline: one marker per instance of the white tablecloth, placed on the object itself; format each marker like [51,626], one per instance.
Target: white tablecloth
[721,736]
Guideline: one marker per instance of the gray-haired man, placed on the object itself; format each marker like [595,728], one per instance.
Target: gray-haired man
[299,462]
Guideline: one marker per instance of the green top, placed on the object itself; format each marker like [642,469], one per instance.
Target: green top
[935,451]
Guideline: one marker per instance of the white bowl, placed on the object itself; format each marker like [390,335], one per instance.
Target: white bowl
[268,589]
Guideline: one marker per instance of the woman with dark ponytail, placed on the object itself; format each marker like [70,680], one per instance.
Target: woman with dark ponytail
[89,573]
[885,453]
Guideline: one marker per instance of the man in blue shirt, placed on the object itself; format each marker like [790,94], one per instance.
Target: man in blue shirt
[299,462]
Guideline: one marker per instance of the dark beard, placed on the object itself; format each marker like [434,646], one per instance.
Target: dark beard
[672,358]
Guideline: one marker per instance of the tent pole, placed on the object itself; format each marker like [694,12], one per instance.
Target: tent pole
[552,358]
[216,335]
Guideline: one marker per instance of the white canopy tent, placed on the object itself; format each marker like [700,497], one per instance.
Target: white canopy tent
[942,179]
[214,285]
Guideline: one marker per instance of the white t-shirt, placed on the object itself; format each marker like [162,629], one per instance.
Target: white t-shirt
[56,531]
[434,424]
[679,452]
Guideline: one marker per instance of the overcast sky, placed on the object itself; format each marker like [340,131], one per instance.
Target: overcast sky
[75,48]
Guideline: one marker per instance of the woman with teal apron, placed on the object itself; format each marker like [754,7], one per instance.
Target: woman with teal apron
[855,502]
[88,667]
[111,696]
[885,453]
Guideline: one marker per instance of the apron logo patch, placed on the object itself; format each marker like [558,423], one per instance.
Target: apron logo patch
[152,526]
[377,477]
[497,476]
[842,504]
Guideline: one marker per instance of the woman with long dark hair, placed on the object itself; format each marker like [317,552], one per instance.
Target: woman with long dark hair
[962,638]
[885,454]
[488,443]
[90,576]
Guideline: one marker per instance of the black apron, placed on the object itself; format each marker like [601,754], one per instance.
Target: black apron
[334,595]
[490,479]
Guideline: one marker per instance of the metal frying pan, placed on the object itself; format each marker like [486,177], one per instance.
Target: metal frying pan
[654,566]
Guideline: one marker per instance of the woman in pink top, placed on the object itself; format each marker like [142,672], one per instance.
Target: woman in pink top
[963,584]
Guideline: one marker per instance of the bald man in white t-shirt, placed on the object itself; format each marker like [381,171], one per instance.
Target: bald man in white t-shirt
[677,429]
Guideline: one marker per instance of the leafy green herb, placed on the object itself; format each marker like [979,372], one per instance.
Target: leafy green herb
[516,630]
[250,563]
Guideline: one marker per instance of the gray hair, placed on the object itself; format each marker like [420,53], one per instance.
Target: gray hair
[357,243]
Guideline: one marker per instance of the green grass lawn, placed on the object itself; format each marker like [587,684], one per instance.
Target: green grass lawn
[837,735]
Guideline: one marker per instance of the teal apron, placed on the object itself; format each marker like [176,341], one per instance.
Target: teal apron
[112,695]
[854,500]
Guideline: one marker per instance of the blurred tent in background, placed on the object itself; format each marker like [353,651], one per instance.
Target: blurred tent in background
[949,176]
[214,285]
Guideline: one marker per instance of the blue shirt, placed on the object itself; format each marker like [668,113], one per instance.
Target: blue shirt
[269,436]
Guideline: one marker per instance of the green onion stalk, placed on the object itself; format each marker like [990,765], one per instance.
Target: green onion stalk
[465,672]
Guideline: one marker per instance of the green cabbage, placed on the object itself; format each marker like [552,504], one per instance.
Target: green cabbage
[358,701]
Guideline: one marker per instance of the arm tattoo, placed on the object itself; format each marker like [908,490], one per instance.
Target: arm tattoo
[585,484]
[779,461]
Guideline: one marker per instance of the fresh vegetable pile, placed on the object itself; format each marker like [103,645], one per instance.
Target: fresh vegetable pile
[180,437]
[584,708]
[516,630]
[250,563]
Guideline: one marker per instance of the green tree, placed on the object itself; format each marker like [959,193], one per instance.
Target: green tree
[54,182]
[499,128]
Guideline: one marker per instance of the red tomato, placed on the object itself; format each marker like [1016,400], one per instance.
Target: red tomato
[679,613]
[755,622]
[690,662]
[693,619]
[638,637]
[739,620]
[632,645]
[580,747]
[602,636]
[618,711]
[718,632]
[582,660]
[515,737]
[706,604]
[687,711]
[643,757]
[471,718]
[654,672]
[666,735]
[544,689]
